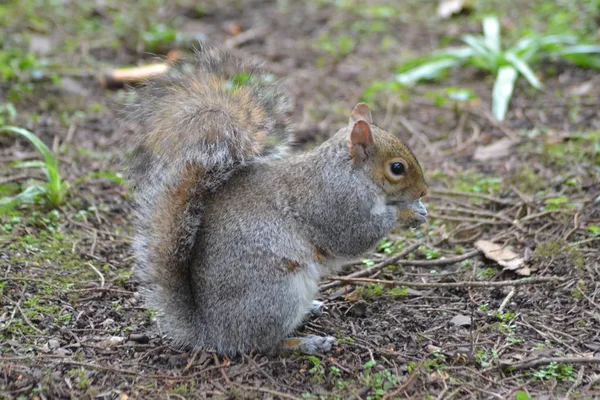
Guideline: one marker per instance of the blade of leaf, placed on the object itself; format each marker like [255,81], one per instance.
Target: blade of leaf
[491,32]
[584,60]
[458,52]
[481,50]
[30,164]
[431,70]
[51,169]
[524,69]
[579,49]
[502,92]
[26,196]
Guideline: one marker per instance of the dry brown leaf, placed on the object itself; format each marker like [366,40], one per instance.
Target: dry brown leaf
[503,256]
[498,149]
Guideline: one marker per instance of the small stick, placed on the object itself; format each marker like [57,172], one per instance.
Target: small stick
[397,260]
[469,194]
[120,77]
[243,38]
[549,360]
[507,299]
[402,388]
[267,391]
[518,282]
[377,267]
[97,273]
[577,382]
[27,321]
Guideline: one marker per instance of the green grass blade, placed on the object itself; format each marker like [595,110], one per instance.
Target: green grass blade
[55,185]
[579,49]
[427,71]
[453,52]
[584,60]
[502,92]
[524,69]
[491,32]
[480,49]
[30,164]
[26,196]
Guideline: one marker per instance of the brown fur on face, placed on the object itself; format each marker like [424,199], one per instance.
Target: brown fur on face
[378,149]
[387,148]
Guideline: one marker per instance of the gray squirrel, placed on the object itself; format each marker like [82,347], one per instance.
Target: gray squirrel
[233,233]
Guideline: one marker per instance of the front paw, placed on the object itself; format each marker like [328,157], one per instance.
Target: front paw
[412,217]
[317,308]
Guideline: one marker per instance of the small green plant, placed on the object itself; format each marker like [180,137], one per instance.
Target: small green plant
[521,395]
[53,191]
[486,53]
[554,370]
[159,36]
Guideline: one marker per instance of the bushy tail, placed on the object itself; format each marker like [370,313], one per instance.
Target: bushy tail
[193,126]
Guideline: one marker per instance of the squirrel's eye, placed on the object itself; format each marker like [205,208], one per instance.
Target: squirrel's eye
[397,168]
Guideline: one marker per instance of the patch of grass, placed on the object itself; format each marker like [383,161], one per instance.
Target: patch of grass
[470,181]
[52,192]
[553,249]
[582,147]
[337,46]
[486,358]
[487,53]
[555,371]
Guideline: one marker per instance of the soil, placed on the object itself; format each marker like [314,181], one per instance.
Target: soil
[72,324]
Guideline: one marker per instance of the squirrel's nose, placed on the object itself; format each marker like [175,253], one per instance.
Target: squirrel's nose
[424,192]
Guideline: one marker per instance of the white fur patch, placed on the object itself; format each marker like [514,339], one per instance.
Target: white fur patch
[379,208]
[305,285]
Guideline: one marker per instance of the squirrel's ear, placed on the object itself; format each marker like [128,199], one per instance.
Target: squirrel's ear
[361,140]
[361,111]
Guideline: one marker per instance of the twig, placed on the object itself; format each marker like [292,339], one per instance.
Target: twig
[518,282]
[97,273]
[377,267]
[393,260]
[469,194]
[507,299]
[408,126]
[543,214]
[466,219]
[549,360]
[225,364]
[52,357]
[576,383]
[592,302]
[27,319]
[359,393]
[404,386]
[248,36]
[265,390]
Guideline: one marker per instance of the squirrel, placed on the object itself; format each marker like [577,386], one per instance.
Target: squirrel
[232,231]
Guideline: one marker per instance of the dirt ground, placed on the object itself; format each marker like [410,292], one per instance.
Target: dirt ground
[455,324]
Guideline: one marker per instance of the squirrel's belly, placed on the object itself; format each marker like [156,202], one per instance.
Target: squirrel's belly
[304,285]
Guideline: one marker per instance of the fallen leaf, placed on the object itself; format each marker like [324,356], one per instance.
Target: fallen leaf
[499,149]
[460,320]
[503,256]
[431,348]
[447,8]
[111,341]
[581,89]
